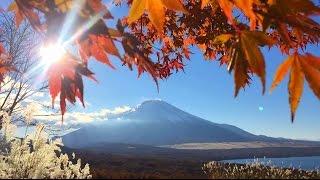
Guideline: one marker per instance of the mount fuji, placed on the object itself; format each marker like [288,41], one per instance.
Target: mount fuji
[157,123]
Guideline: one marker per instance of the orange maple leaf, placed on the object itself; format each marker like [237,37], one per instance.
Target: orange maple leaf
[156,10]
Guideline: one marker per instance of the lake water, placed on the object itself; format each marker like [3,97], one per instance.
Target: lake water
[305,163]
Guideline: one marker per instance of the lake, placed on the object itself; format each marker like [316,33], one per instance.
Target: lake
[305,163]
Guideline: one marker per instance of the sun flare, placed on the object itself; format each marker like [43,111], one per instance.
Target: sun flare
[51,53]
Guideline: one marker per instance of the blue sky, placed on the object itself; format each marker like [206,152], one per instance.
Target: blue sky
[206,90]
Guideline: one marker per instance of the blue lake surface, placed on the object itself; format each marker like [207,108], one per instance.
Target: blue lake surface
[305,163]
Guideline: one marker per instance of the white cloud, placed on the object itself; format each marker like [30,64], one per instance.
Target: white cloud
[99,115]
[74,117]
[38,95]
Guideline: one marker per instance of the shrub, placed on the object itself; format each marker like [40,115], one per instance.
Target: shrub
[36,156]
[255,170]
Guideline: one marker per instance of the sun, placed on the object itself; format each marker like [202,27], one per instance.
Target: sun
[51,53]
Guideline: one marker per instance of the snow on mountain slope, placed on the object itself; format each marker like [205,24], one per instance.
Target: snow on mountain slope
[156,123]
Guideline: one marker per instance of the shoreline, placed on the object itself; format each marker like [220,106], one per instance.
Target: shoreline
[143,151]
[307,163]
[119,165]
[270,157]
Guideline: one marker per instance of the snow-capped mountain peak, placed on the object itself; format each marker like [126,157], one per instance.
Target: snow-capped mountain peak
[156,122]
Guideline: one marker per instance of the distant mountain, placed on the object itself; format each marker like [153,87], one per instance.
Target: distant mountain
[157,123]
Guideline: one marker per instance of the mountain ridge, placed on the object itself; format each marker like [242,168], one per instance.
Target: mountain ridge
[156,123]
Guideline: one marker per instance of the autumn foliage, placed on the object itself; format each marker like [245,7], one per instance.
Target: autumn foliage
[156,37]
